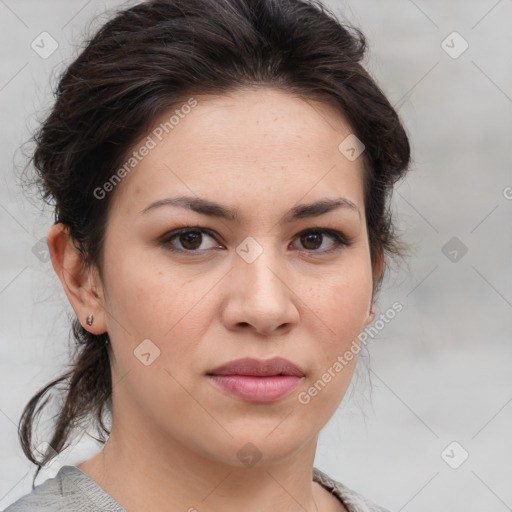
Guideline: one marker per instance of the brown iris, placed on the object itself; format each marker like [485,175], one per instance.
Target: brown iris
[310,238]
[191,239]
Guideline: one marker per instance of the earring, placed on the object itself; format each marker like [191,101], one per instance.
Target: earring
[89,320]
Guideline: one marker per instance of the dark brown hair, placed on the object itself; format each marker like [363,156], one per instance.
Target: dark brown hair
[148,59]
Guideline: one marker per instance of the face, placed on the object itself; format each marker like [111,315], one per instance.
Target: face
[187,290]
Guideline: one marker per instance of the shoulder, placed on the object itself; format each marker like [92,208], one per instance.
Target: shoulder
[46,497]
[70,489]
[353,501]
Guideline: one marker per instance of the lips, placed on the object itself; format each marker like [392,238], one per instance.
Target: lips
[253,380]
[258,368]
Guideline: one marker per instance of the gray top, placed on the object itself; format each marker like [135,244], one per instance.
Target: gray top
[72,490]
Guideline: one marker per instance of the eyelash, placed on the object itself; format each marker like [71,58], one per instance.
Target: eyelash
[339,241]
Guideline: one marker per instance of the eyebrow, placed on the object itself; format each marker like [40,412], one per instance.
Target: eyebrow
[214,209]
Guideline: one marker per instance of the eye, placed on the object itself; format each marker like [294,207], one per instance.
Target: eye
[188,240]
[313,239]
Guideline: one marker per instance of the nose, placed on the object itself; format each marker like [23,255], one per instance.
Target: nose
[260,296]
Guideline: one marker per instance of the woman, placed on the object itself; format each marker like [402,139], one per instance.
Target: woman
[221,173]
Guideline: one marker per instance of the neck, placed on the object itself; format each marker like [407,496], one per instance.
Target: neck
[143,475]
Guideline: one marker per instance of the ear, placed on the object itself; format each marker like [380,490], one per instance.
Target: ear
[378,268]
[82,285]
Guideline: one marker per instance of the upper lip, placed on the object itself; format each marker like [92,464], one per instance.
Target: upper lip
[259,368]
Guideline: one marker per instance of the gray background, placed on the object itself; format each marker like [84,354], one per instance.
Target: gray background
[441,370]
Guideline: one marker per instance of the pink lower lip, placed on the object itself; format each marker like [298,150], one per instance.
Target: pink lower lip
[257,389]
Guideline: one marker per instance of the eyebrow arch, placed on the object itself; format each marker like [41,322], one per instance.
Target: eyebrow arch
[213,209]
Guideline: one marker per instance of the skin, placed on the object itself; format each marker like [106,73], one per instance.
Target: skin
[175,436]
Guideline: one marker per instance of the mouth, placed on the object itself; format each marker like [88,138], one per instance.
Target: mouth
[253,380]
[277,366]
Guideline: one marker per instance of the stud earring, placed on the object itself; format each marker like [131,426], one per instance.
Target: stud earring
[89,320]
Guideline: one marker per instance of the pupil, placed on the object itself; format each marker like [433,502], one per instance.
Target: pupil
[310,238]
[192,238]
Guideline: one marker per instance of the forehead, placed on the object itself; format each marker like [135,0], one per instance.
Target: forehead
[261,118]
[261,144]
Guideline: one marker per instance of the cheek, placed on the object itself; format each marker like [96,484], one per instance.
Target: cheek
[341,307]
[342,300]
[148,301]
